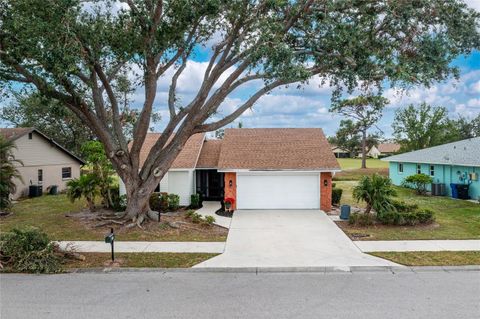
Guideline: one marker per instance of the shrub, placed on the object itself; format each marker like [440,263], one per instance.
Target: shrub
[401,206]
[410,218]
[375,191]
[173,201]
[189,213]
[336,196]
[195,200]
[196,218]
[155,201]
[119,202]
[84,186]
[418,182]
[360,219]
[29,250]
[163,202]
[209,220]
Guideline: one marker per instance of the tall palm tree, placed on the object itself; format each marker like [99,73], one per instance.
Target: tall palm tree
[8,172]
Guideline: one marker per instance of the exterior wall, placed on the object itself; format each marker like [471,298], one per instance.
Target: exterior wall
[174,182]
[374,152]
[326,191]
[37,154]
[442,174]
[231,191]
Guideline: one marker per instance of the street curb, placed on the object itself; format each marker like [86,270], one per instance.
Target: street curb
[260,270]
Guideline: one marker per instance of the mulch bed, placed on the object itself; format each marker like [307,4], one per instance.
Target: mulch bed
[223,213]
[171,224]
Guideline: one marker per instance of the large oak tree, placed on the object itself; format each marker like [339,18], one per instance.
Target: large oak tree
[70,52]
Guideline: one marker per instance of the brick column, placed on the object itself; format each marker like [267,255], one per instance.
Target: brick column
[231,191]
[326,191]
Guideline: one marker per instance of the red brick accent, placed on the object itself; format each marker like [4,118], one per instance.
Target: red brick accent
[231,191]
[326,191]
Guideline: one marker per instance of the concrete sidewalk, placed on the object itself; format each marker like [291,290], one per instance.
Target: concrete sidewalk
[145,247]
[418,245]
[209,208]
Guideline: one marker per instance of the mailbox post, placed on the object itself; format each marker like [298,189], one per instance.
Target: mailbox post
[110,239]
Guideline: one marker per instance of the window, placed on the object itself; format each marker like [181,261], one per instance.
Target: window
[30,135]
[66,172]
[400,167]
[419,169]
[40,176]
[432,170]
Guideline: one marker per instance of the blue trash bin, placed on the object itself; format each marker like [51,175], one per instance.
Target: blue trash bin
[344,212]
[454,190]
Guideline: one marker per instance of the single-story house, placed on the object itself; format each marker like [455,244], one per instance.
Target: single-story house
[383,150]
[262,168]
[452,163]
[340,152]
[45,162]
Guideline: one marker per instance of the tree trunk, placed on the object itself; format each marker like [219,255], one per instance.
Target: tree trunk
[138,206]
[364,149]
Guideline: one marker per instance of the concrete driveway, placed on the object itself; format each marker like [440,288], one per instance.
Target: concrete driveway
[289,238]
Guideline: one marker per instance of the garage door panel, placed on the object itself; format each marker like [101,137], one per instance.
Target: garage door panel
[275,191]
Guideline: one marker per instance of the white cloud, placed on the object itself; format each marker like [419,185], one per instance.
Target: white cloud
[475,4]
[474,103]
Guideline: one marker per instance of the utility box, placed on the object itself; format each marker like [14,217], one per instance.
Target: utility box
[35,190]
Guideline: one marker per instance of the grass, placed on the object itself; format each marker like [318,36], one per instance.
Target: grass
[142,260]
[429,258]
[356,163]
[455,219]
[48,213]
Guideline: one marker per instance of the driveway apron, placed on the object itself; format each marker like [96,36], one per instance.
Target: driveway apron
[289,238]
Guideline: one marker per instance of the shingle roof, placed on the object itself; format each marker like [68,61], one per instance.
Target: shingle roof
[14,133]
[276,148]
[187,158]
[210,153]
[464,153]
[388,147]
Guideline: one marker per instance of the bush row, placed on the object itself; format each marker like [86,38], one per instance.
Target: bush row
[196,218]
[162,202]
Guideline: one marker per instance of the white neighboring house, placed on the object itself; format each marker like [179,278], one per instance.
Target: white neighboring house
[383,150]
[45,162]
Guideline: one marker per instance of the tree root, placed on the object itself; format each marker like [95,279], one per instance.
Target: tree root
[108,222]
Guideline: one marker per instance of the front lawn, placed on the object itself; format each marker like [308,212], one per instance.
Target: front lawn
[455,219]
[49,214]
[432,258]
[141,260]
[356,163]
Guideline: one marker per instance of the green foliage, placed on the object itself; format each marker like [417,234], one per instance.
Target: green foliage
[195,201]
[403,207]
[119,201]
[408,218]
[189,213]
[50,117]
[336,196]
[196,218]
[8,172]
[418,127]
[85,186]
[101,168]
[173,201]
[419,182]
[358,219]
[376,191]
[161,202]
[29,250]
[209,220]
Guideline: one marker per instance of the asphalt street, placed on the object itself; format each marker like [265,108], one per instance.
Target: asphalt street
[429,294]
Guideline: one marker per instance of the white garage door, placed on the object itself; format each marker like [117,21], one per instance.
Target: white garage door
[278,191]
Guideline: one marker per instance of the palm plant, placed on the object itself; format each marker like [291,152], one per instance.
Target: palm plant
[85,186]
[375,191]
[8,172]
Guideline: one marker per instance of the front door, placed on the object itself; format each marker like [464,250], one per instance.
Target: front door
[210,184]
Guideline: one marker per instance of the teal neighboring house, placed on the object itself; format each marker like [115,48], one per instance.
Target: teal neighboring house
[455,165]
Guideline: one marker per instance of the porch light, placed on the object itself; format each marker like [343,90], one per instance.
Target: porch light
[325,182]
[230,183]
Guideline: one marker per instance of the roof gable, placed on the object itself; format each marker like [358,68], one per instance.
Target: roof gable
[187,158]
[388,147]
[276,149]
[463,153]
[210,154]
[13,134]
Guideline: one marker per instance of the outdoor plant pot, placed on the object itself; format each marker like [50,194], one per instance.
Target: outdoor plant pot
[229,203]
